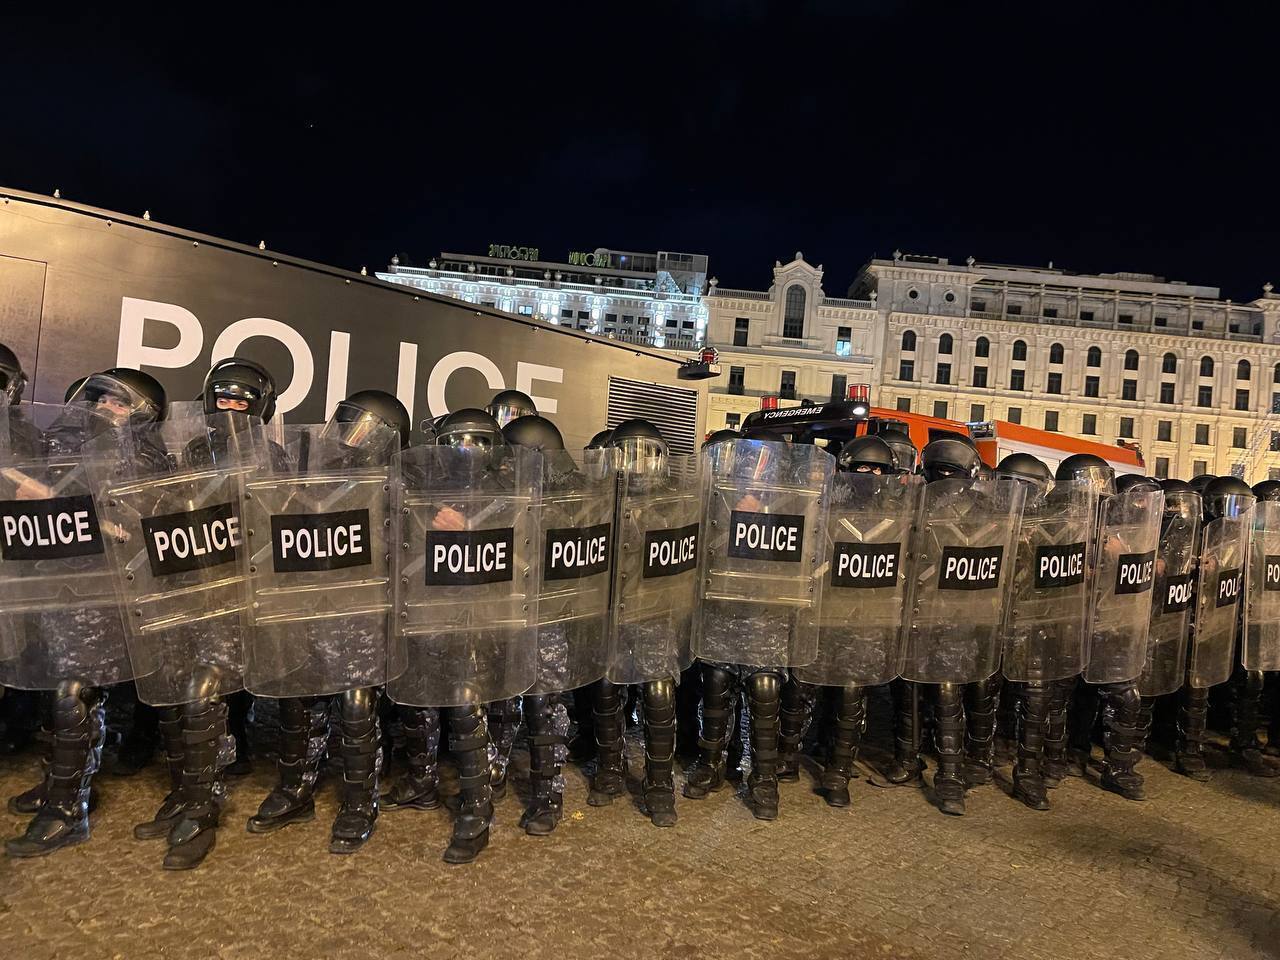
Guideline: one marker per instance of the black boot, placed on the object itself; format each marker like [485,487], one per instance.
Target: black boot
[797,711]
[207,750]
[548,724]
[907,765]
[610,779]
[138,747]
[79,729]
[982,701]
[1054,767]
[419,786]
[948,782]
[171,807]
[764,691]
[361,765]
[708,773]
[469,742]
[1033,720]
[304,737]
[849,723]
[504,722]
[659,706]
[1193,709]
[1246,720]
[1123,735]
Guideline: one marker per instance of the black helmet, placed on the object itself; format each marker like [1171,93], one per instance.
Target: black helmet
[12,378]
[1090,468]
[1201,481]
[509,405]
[138,394]
[1023,466]
[533,431]
[600,440]
[947,458]
[904,450]
[984,471]
[238,379]
[643,449]
[1267,490]
[1227,497]
[721,435]
[1180,500]
[1128,482]
[1173,485]
[469,428]
[428,429]
[73,389]
[867,455]
[357,420]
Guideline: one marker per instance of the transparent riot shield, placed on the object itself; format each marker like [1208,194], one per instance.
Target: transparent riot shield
[1044,633]
[1220,588]
[1165,667]
[169,497]
[1124,575]
[1262,636]
[465,575]
[864,576]
[765,513]
[578,500]
[961,575]
[655,571]
[57,598]
[317,563]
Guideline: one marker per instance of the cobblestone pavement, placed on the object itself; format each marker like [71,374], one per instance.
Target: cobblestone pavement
[1190,873]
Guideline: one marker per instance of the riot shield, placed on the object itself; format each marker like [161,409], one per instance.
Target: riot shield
[765,513]
[1262,636]
[1044,633]
[961,575]
[1124,574]
[864,575]
[655,571]
[317,563]
[465,574]
[1165,667]
[1220,587]
[578,499]
[57,598]
[169,498]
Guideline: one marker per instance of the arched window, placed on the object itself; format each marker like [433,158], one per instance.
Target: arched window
[944,343]
[1170,364]
[1275,374]
[1095,357]
[908,340]
[1055,353]
[1244,370]
[1131,359]
[793,314]
[983,349]
[1206,366]
[1019,349]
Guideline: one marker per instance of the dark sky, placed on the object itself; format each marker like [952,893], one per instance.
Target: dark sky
[1110,137]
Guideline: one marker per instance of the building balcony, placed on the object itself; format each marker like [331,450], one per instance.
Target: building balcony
[793,343]
[739,294]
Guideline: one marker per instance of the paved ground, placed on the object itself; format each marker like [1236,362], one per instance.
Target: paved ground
[1191,873]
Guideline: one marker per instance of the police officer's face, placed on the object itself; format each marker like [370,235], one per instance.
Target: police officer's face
[117,408]
[233,403]
[868,468]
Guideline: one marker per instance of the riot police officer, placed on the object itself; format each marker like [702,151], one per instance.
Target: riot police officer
[1268,492]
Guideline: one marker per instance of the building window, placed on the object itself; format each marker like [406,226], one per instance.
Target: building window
[1051,421]
[1019,350]
[906,369]
[1126,428]
[1017,379]
[1243,370]
[1125,318]
[1199,467]
[586,315]
[913,294]
[787,389]
[732,420]
[844,341]
[978,306]
[1055,353]
[1094,357]
[610,318]
[1090,386]
[1206,366]
[1197,324]
[839,386]
[1162,468]
[1129,390]
[979,376]
[1275,374]
[1204,397]
[945,343]
[741,330]
[628,319]
[1164,430]
[525,310]
[977,412]
[1055,383]
[944,373]
[566,314]
[737,380]
[1086,316]
[904,404]
[1169,364]
[1166,393]
[1162,321]
[1131,359]
[793,314]
[1014,310]
[671,323]
[1239,437]
[940,409]
[1089,424]
[1242,399]
[1275,441]
[982,348]
[1273,473]
[1275,403]
[1202,434]
[908,341]
[1051,313]
[1015,414]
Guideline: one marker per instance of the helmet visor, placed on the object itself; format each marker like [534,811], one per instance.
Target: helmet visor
[1233,505]
[504,413]
[358,428]
[1183,505]
[642,455]
[1102,479]
[114,399]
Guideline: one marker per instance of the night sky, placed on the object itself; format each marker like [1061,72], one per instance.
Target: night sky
[1116,137]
